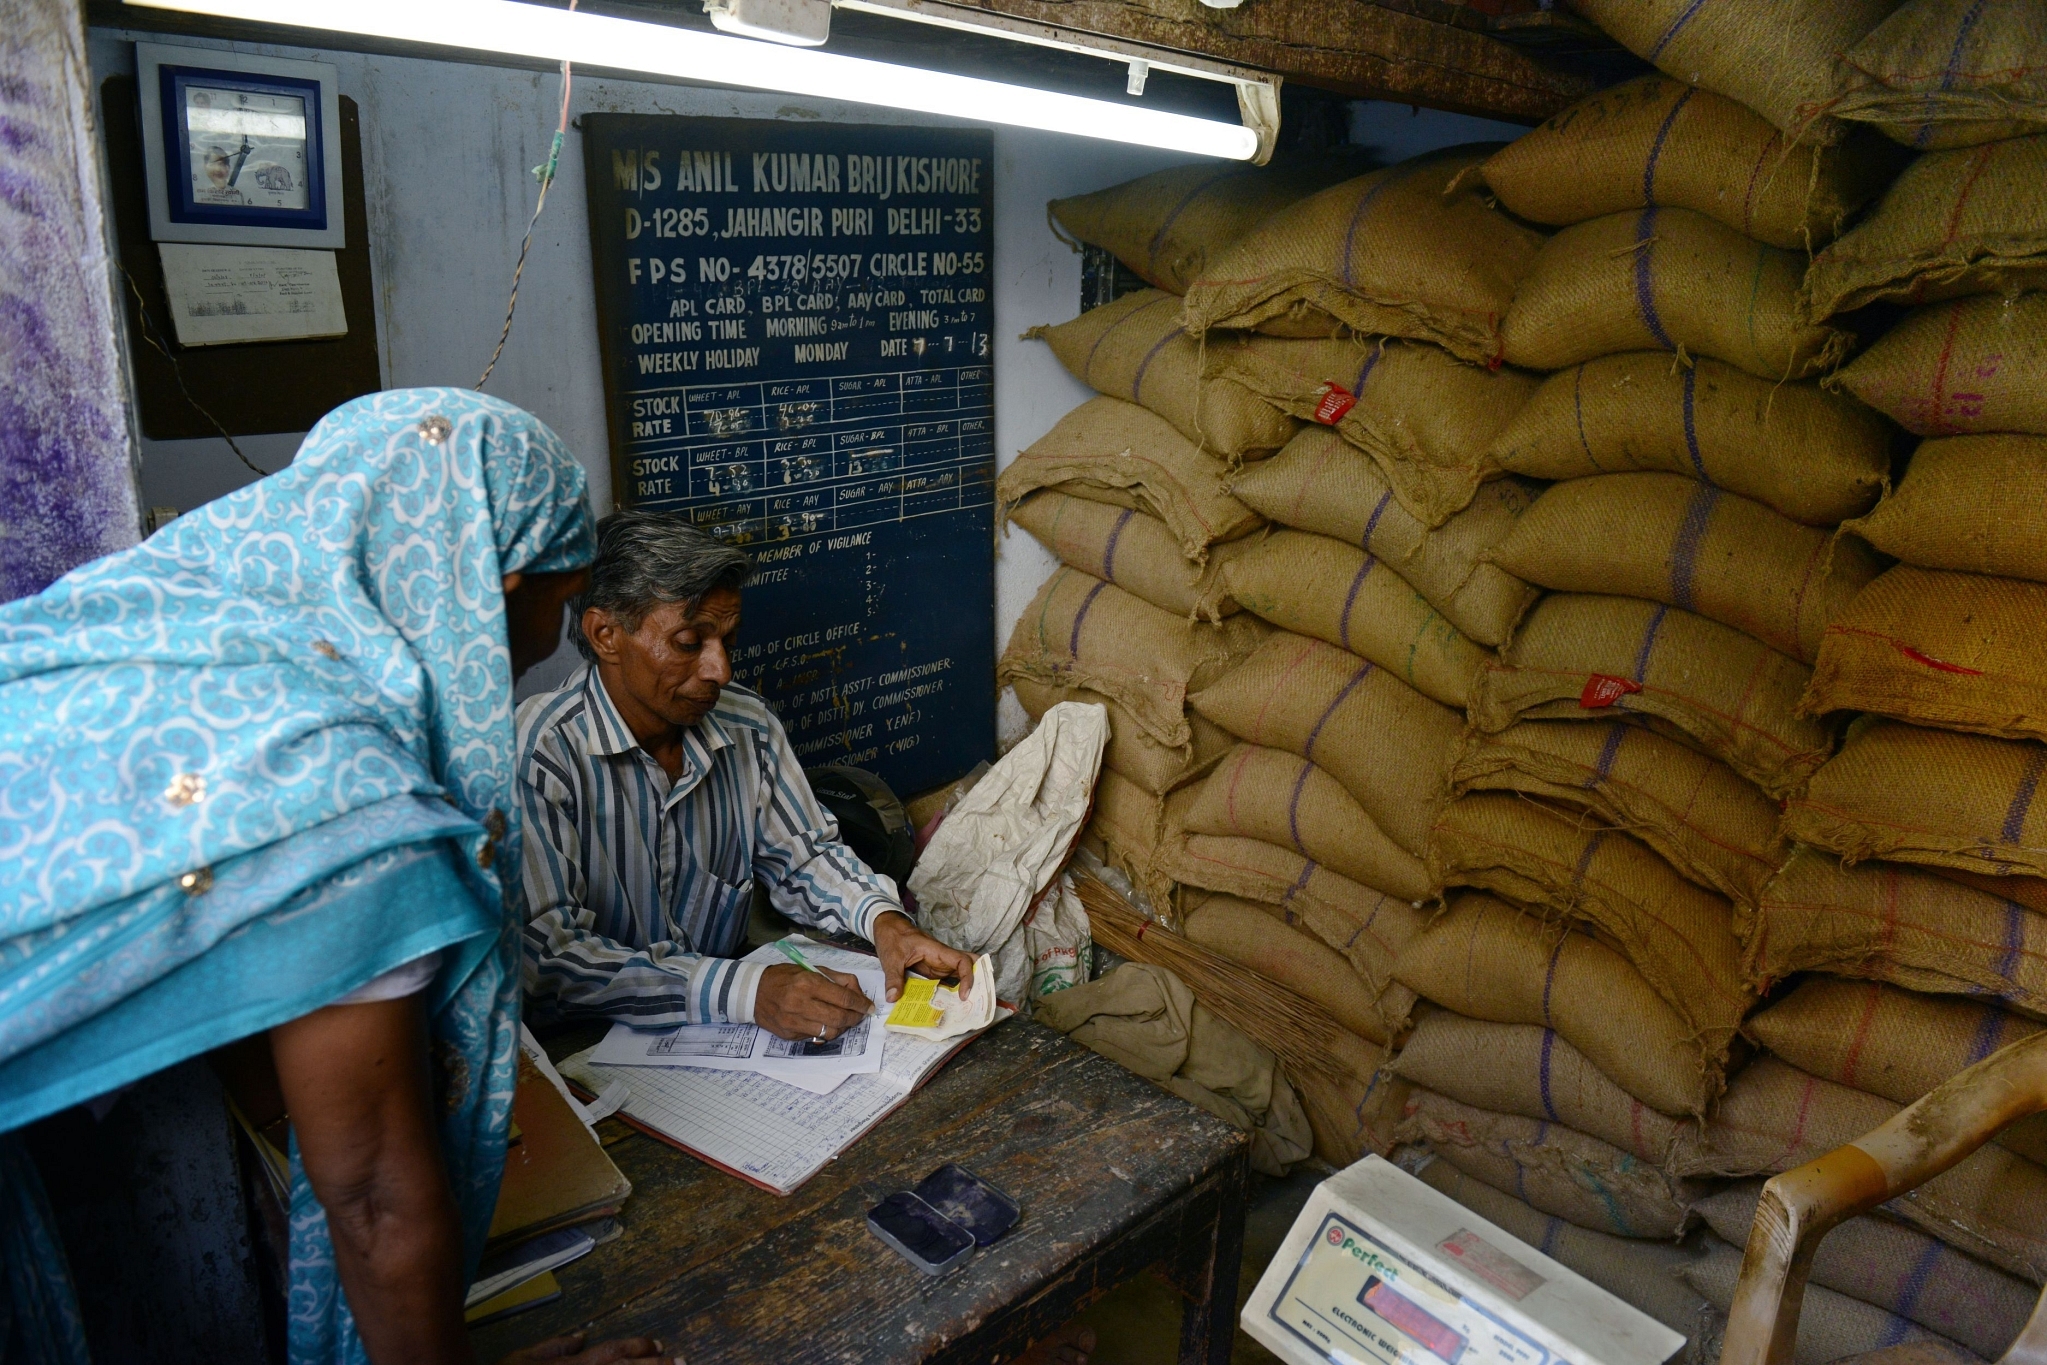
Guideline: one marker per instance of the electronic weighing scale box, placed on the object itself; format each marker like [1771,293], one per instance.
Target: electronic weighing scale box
[1381,1269]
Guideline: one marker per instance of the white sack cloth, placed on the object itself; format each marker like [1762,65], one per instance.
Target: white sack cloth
[1000,848]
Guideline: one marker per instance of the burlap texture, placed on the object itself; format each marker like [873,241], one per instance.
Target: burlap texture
[1390,746]
[1778,60]
[1319,586]
[1577,656]
[1707,821]
[1136,832]
[1640,1273]
[1250,933]
[1136,349]
[1321,483]
[1653,140]
[1976,364]
[1134,550]
[1679,936]
[1815,456]
[1974,504]
[1352,1118]
[1673,539]
[1831,1326]
[1971,221]
[1369,928]
[1949,73]
[1895,1043]
[1899,1269]
[1282,798]
[1532,1071]
[1115,452]
[1667,280]
[1166,226]
[1486,959]
[1928,796]
[1556,1169]
[1774,1117]
[1424,416]
[1387,254]
[1896,923]
[1132,751]
[1957,650]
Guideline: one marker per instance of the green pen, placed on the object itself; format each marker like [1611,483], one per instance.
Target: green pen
[789,951]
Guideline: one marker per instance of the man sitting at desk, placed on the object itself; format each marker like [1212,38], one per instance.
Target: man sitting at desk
[656,795]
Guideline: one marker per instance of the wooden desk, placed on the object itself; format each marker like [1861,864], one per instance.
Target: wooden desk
[1115,1176]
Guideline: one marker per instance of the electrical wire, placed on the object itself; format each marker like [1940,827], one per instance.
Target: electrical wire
[545,174]
[154,337]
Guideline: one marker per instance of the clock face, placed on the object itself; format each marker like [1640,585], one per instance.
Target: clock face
[246,148]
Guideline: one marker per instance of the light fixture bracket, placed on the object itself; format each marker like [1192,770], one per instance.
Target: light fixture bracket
[799,23]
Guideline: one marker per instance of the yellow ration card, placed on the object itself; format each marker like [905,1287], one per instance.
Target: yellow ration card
[915,1007]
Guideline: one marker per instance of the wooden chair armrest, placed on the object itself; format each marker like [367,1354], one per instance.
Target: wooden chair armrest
[1801,1206]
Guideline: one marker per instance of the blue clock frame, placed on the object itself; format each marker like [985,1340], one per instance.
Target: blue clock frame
[178,188]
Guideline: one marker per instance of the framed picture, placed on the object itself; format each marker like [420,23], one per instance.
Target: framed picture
[240,150]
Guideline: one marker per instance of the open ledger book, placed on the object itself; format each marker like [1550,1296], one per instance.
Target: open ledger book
[775,1135]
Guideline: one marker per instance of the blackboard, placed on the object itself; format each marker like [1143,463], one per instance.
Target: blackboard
[795,322]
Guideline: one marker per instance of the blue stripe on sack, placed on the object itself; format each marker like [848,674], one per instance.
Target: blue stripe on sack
[1108,563]
[2022,799]
[1549,976]
[1293,806]
[1645,291]
[1350,598]
[1691,385]
[1656,147]
[1549,1040]
[1073,644]
[1649,641]
[2014,940]
[1549,1235]
[1365,371]
[1578,406]
[1357,216]
[1087,371]
[1990,1032]
[1137,384]
[1585,859]
[1896,1330]
[1307,870]
[1372,522]
[1690,10]
[1151,251]
[1691,534]
[1608,752]
[1947,76]
[1365,671]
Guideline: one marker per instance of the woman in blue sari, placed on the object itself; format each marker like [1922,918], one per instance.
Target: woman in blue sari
[256,775]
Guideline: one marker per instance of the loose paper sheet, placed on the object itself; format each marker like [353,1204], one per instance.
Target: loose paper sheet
[225,294]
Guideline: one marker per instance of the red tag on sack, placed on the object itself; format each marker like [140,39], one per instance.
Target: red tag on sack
[1603,689]
[1336,401]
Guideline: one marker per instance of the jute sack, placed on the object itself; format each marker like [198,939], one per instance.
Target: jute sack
[1653,140]
[1900,924]
[1249,933]
[1676,540]
[1815,456]
[1667,280]
[1974,504]
[1531,1071]
[1488,960]
[1957,650]
[1134,831]
[1134,550]
[1977,364]
[1387,254]
[1831,1326]
[1556,1169]
[1680,937]
[1321,483]
[1582,657]
[1707,821]
[1389,745]
[1949,73]
[1352,1118]
[1132,751]
[1319,586]
[1928,796]
[1115,452]
[1423,415]
[1899,1269]
[1640,1273]
[1894,1043]
[1369,928]
[1167,225]
[1775,1117]
[1136,349]
[1282,798]
[1972,221]
[1081,632]
[1778,60]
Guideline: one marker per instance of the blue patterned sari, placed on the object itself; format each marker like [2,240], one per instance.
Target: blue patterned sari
[254,763]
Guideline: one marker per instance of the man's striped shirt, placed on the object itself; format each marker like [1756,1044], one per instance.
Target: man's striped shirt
[638,889]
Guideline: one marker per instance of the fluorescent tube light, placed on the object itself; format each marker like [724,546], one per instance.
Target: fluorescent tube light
[530,30]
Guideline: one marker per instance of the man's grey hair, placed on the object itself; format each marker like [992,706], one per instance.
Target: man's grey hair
[647,559]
